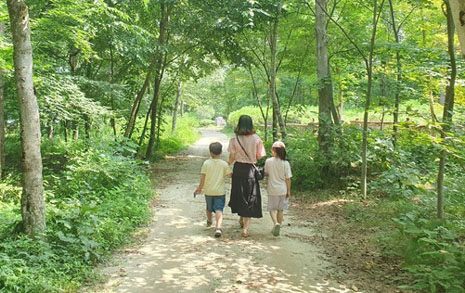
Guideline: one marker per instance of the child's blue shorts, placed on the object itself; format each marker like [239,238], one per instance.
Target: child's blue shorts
[215,202]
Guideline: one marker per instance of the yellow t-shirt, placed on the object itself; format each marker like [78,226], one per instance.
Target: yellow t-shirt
[214,170]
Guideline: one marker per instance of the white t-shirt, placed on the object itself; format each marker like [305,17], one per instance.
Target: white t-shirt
[214,170]
[278,171]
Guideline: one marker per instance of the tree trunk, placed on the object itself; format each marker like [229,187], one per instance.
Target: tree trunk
[398,75]
[76,130]
[144,129]
[112,98]
[273,68]
[136,105]
[176,106]
[382,117]
[325,88]
[165,16]
[274,130]
[65,130]
[2,114]
[448,110]
[369,68]
[457,8]
[50,130]
[32,199]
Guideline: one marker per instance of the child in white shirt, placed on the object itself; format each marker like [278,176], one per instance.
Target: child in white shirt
[279,184]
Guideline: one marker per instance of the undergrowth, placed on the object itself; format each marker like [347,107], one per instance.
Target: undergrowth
[93,203]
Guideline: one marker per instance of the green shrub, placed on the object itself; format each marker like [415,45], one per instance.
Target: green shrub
[93,203]
[433,251]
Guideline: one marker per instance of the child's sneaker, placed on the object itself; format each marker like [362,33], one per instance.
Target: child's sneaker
[276,229]
[218,233]
[209,224]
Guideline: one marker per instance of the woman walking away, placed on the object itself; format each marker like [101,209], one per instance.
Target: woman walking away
[245,149]
[279,184]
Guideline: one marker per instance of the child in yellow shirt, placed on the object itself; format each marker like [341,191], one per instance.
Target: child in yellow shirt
[212,181]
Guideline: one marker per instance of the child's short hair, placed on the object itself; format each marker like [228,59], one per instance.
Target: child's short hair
[280,148]
[216,148]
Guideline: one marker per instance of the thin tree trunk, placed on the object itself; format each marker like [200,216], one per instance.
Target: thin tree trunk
[274,130]
[165,16]
[176,106]
[65,130]
[76,130]
[398,75]
[87,129]
[112,98]
[273,68]
[382,117]
[32,199]
[50,129]
[448,110]
[2,114]
[136,105]
[144,129]
[340,98]
[434,118]
[369,67]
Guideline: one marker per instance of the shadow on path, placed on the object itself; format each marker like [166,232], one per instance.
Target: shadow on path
[181,255]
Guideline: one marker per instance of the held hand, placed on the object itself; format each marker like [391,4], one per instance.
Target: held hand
[198,190]
[288,194]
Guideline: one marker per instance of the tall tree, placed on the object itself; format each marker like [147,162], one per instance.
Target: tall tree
[368,61]
[2,113]
[448,108]
[160,68]
[325,85]
[273,41]
[32,200]
[396,31]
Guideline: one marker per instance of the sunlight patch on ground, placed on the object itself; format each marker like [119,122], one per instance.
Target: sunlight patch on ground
[336,202]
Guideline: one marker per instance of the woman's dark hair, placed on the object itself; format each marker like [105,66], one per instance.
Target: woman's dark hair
[244,126]
[281,152]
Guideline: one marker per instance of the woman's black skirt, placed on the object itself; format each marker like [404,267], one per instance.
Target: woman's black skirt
[245,199]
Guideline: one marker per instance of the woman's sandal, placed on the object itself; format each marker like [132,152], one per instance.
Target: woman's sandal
[245,234]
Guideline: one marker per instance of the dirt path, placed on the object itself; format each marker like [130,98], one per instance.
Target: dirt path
[180,254]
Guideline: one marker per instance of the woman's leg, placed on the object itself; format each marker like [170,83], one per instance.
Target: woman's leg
[246,224]
[280,216]
[274,218]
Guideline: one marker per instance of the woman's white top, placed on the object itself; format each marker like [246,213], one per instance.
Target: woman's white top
[278,171]
[253,146]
